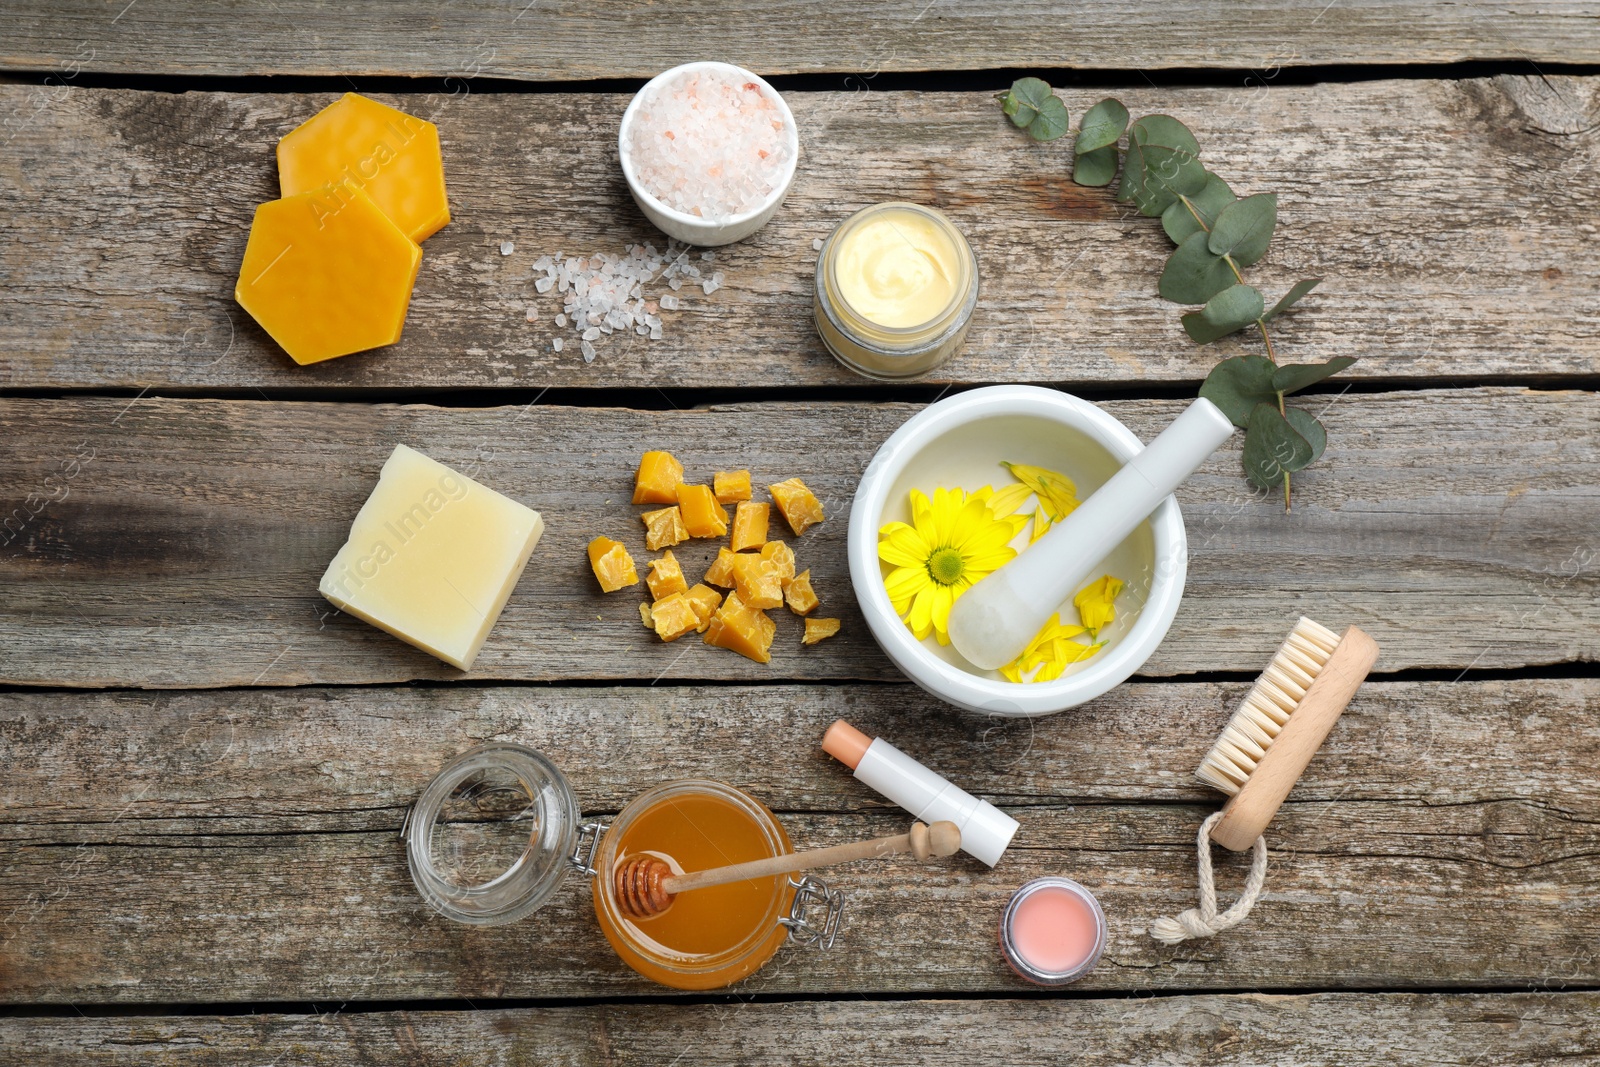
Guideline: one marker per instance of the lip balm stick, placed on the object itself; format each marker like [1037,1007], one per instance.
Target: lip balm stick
[985,829]
[994,620]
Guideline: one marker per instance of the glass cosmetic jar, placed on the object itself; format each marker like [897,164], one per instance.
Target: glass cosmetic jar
[895,290]
[493,837]
[1053,931]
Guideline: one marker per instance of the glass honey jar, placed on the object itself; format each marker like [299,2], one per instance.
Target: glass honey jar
[496,833]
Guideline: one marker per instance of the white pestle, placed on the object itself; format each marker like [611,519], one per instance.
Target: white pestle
[994,620]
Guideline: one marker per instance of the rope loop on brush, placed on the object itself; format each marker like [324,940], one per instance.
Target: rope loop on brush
[1206,920]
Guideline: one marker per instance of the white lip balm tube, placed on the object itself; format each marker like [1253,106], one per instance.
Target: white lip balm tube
[985,829]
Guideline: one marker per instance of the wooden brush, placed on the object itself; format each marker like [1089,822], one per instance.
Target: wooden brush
[645,885]
[1281,724]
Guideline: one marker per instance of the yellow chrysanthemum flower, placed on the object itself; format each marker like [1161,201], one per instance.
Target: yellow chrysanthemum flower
[951,542]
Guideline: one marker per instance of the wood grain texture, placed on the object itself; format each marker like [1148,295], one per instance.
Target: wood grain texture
[1451,219]
[1340,1030]
[240,846]
[611,39]
[187,550]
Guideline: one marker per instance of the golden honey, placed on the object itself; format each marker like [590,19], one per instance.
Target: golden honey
[710,937]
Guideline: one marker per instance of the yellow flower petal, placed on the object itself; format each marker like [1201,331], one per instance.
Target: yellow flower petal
[1056,492]
[1041,524]
[942,599]
[903,583]
[920,618]
[1007,500]
[900,545]
[1095,603]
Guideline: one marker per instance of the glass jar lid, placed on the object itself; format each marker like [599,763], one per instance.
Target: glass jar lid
[493,836]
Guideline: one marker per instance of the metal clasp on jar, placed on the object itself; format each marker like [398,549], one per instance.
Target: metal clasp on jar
[811,893]
[587,846]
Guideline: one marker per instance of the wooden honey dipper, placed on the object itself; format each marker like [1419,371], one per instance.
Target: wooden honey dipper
[645,885]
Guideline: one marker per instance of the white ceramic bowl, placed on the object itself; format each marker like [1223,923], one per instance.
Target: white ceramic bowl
[960,442]
[692,228]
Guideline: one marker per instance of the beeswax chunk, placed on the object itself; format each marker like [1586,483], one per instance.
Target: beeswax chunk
[665,578]
[704,600]
[702,515]
[781,556]
[612,565]
[799,505]
[326,283]
[674,617]
[818,630]
[731,486]
[658,478]
[741,628]
[359,145]
[756,581]
[749,526]
[663,528]
[432,557]
[721,570]
[800,597]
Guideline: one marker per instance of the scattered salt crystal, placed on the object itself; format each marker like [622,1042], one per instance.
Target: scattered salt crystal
[542,263]
[708,256]
[669,302]
[591,333]
[816,244]
[533,313]
[544,285]
[651,307]
[717,277]
[709,286]
[676,283]
[710,144]
[655,333]
[588,352]
[556,344]
[561,320]
[506,248]
[641,329]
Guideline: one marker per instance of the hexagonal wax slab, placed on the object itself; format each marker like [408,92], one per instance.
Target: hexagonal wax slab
[361,144]
[326,276]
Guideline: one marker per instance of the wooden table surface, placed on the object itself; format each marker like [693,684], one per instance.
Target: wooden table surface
[202,769]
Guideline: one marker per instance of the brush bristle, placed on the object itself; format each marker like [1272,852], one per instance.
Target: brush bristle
[1267,706]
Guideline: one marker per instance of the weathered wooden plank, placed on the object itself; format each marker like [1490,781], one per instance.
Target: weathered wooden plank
[1456,525]
[1451,219]
[240,846]
[1343,1029]
[614,39]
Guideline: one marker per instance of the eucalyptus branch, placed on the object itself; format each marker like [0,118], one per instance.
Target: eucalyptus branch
[1217,234]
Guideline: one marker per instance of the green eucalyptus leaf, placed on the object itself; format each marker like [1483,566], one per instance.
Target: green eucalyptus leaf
[1168,174]
[1024,100]
[1238,384]
[1132,172]
[1051,122]
[1193,274]
[1244,228]
[1307,426]
[1096,167]
[1293,377]
[1291,298]
[1101,125]
[1166,131]
[1272,447]
[1179,221]
[1232,309]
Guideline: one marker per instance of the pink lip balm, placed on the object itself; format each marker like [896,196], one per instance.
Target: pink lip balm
[1053,931]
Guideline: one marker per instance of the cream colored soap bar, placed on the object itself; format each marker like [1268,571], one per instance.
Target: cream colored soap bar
[432,557]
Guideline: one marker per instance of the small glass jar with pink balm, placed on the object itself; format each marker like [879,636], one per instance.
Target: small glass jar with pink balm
[1053,931]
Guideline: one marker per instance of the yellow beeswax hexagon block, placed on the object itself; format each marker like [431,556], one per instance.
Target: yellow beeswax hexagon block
[327,281]
[432,557]
[356,144]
